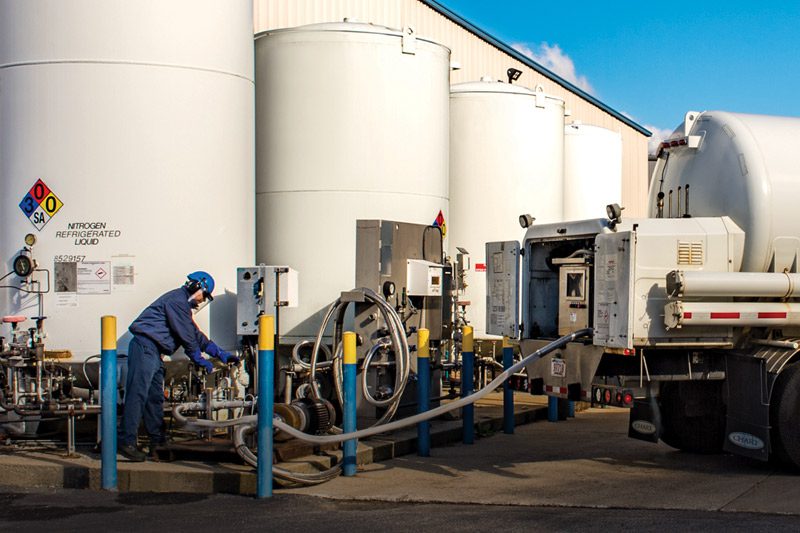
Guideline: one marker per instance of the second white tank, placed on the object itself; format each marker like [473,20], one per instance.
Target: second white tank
[506,159]
[592,170]
[351,123]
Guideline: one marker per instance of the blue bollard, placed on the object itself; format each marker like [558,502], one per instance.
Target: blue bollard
[266,393]
[349,425]
[423,391]
[467,376]
[108,402]
[508,392]
[552,409]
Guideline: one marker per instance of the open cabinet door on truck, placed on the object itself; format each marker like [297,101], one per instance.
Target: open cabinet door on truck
[502,288]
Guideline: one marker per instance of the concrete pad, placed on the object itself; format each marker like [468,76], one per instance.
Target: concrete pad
[587,461]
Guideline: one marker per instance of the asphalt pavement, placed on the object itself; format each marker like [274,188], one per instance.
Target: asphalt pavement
[582,474]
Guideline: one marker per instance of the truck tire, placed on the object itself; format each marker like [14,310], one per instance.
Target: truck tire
[683,425]
[785,417]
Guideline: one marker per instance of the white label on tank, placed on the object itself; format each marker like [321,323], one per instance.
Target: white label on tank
[94,277]
[558,368]
[123,272]
[66,299]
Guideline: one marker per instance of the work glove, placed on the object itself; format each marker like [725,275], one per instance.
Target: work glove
[215,351]
[198,359]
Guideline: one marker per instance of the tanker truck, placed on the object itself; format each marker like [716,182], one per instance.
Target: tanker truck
[691,316]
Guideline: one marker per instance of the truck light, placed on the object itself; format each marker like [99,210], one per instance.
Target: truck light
[627,398]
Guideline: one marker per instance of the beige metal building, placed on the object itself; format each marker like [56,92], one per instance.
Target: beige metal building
[478,54]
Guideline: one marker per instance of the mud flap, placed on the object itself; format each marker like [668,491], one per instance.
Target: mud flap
[747,426]
[645,420]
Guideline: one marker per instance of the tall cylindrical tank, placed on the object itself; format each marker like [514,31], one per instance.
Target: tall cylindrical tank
[506,159]
[351,123]
[592,170]
[742,166]
[127,150]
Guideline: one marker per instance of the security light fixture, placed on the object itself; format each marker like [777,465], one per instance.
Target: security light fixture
[526,220]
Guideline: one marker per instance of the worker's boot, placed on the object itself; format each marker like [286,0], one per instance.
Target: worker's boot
[131,453]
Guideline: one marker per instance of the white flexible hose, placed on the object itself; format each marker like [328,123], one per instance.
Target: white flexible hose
[375,430]
[399,344]
[433,413]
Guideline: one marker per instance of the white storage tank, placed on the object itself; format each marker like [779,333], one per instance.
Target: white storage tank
[506,159]
[351,123]
[743,166]
[127,150]
[592,170]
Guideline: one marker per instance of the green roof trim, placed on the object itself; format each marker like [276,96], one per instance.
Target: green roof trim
[522,58]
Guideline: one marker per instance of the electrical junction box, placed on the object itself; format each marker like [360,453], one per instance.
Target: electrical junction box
[630,289]
[424,278]
[263,290]
[573,309]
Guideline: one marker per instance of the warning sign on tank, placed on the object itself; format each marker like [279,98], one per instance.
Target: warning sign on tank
[40,204]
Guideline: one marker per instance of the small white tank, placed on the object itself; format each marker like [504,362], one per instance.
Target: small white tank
[352,123]
[127,149]
[506,159]
[743,166]
[592,171]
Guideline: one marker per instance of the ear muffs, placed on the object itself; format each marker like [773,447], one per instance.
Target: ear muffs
[193,286]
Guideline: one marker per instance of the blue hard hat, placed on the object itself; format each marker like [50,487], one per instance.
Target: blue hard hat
[201,280]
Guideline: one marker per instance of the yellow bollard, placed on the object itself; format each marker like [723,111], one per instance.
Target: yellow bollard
[467,342]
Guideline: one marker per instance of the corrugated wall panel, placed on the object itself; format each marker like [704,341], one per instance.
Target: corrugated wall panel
[476,57]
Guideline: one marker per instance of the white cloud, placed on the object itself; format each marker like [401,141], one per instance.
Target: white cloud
[659,134]
[554,59]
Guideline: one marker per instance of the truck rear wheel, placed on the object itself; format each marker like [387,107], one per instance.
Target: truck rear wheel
[785,416]
[693,416]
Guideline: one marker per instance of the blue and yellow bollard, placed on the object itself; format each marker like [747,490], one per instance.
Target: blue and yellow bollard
[423,391]
[108,402]
[508,392]
[349,424]
[467,376]
[266,394]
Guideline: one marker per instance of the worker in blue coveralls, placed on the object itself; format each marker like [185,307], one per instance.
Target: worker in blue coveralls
[161,329]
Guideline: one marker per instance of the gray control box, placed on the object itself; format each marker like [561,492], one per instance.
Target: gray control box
[260,290]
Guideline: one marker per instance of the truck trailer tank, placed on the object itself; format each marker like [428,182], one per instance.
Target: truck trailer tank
[743,166]
[506,159]
[126,149]
[351,123]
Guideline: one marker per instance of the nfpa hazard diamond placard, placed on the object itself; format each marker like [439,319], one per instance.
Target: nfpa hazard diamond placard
[40,204]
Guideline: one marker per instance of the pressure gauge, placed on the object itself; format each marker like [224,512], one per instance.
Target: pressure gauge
[388,289]
[23,266]
[30,239]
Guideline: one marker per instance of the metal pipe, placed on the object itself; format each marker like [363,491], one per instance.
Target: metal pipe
[697,284]
[759,314]
[777,344]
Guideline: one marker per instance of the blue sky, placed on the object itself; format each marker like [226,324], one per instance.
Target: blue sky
[656,60]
